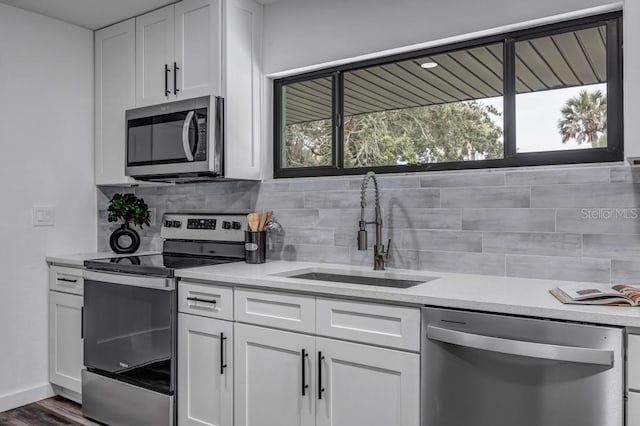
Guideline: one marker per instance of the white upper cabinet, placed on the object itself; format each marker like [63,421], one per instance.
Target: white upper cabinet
[115,76]
[154,56]
[178,52]
[198,35]
[243,87]
[189,49]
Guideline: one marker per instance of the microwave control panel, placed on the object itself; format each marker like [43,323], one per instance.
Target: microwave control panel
[201,149]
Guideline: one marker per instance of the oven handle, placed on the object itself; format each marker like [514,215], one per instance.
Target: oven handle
[185,135]
[521,348]
[157,283]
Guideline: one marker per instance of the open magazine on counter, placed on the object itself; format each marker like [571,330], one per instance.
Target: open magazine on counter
[598,294]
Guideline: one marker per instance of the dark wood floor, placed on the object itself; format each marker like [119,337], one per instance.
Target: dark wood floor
[48,412]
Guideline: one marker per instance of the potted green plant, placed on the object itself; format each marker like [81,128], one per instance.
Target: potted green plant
[127,208]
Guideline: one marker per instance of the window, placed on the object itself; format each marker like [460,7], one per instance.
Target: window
[546,95]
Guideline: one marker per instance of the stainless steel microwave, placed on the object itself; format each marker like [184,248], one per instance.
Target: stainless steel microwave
[177,141]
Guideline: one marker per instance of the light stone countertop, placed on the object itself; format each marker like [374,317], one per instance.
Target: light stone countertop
[505,295]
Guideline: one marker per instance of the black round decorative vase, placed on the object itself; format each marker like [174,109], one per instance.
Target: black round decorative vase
[124,240]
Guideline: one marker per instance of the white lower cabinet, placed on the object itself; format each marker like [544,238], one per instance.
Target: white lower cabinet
[269,377]
[285,371]
[633,377]
[367,386]
[205,371]
[360,385]
[65,340]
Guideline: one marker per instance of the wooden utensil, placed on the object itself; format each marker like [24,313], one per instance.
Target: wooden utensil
[253,219]
[263,222]
[267,219]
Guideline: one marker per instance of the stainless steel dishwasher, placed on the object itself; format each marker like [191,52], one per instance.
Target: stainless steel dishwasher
[495,370]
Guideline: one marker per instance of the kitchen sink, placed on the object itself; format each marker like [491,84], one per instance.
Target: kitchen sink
[384,279]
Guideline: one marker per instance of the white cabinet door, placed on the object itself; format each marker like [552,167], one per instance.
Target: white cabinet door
[154,56]
[198,35]
[633,409]
[65,340]
[205,386]
[115,75]
[269,377]
[367,386]
[243,89]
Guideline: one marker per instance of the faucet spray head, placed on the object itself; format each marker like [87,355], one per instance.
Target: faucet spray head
[362,239]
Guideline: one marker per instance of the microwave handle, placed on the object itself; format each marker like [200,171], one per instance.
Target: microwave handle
[185,136]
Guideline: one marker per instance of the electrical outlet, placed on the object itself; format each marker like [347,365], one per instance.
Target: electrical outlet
[152,216]
[43,215]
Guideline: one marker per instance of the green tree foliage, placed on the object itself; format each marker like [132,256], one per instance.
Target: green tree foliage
[584,119]
[308,144]
[438,133]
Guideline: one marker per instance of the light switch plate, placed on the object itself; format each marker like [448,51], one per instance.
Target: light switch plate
[43,215]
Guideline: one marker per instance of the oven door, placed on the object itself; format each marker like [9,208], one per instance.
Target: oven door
[129,328]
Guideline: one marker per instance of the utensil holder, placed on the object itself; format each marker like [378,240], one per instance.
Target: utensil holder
[255,246]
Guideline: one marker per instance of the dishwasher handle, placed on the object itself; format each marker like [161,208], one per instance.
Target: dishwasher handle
[521,348]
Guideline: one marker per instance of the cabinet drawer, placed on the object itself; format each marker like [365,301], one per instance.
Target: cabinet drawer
[279,310]
[378,324]
[67,280]
[205,300]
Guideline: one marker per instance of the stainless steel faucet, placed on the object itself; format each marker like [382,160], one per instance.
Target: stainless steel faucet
[380,257]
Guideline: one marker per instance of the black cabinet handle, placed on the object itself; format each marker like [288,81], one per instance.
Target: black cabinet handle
[166,80]
[67,280]
[175,78]
[304,355]
[222,363]
[197,299]
[82,322]
[320,388]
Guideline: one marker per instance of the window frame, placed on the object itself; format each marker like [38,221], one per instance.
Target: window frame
[615,136]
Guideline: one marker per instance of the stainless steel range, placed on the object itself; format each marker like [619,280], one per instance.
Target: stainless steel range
[129,319]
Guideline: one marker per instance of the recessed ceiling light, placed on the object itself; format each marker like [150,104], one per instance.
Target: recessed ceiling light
[428,65]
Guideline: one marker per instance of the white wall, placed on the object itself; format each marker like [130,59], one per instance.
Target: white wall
[304,33]
[298,33]
[631,42]
[46,137]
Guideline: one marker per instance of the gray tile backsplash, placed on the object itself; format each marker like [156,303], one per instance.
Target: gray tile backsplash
[487,197]
[523,220]
[559,268]
[535,243]
[577,223]
[556,177]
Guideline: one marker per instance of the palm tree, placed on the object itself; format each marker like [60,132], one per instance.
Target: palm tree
[584,118]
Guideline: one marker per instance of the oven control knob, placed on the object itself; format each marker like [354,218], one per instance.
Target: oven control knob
[177,224]
[237,225]
[168,223]
[226,225]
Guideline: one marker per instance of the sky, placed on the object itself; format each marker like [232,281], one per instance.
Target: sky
[537,116]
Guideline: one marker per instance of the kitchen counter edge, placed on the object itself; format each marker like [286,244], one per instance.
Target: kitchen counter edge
[493,294]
